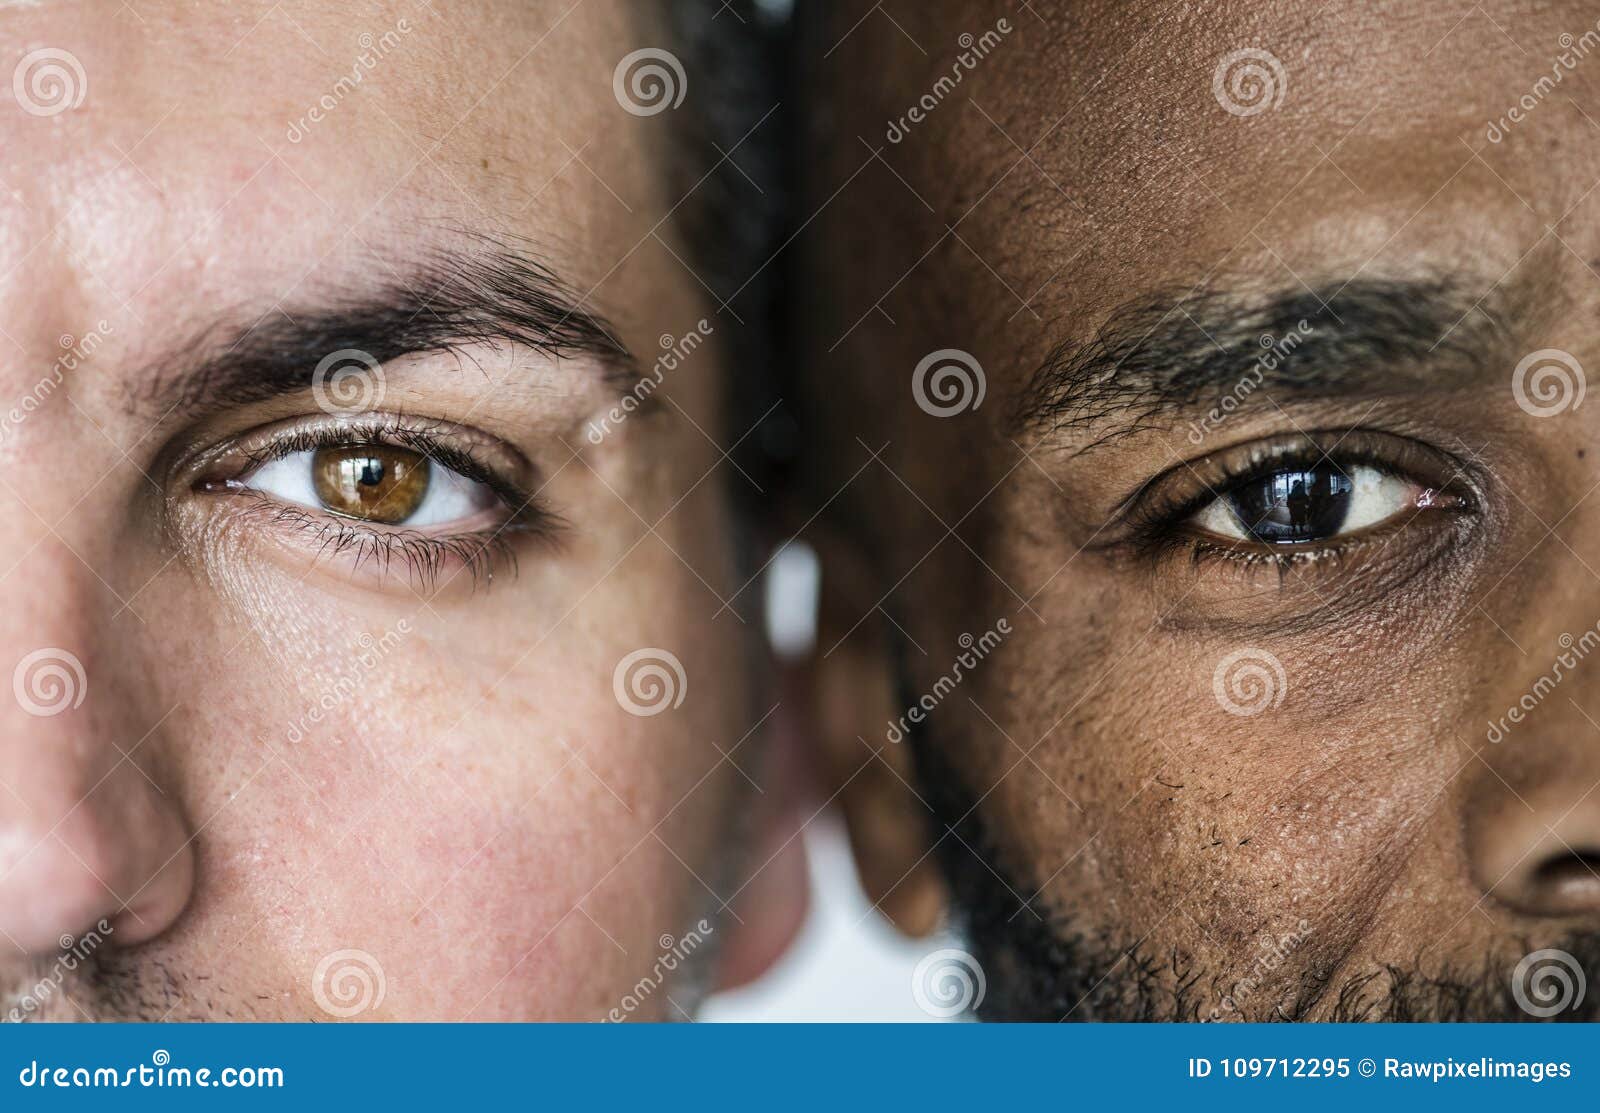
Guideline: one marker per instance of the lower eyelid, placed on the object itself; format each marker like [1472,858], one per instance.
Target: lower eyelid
[374,554]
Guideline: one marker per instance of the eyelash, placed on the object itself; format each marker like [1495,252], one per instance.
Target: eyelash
[481,554]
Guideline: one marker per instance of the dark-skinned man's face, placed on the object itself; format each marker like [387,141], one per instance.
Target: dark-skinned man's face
[1212,495]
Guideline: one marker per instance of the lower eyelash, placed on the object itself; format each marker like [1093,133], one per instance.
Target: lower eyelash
[1285,561]
[482,555]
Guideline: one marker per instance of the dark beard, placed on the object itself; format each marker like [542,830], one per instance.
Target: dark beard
[1038,968]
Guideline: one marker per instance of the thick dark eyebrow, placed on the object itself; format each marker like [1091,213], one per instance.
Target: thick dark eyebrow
[1169,354]
[446,301]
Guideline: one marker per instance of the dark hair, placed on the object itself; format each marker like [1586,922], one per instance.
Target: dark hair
[729,168]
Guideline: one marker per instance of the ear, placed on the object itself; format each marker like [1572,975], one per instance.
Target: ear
[865,765]
[771,906]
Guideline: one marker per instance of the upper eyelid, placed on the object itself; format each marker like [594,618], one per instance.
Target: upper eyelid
[471,453]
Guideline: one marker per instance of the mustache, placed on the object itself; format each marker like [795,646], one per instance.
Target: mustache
[86,984]
[42,989]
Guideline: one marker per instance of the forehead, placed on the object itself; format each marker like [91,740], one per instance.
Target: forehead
[163,155]
[1166,145]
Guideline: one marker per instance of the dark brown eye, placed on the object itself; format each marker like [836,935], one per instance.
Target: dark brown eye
[1306,505]
[1288,506]
[372,482]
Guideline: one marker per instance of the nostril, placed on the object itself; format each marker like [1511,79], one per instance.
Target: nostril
[1570,876]
[1535,848]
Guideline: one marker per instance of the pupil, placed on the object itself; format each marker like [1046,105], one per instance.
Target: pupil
[371,472]
[1305,504]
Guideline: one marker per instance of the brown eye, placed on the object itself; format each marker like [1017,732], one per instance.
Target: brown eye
[373,482]
[1302,506]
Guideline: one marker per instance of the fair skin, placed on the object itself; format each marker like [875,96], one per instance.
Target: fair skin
[1109,240]
[289,748]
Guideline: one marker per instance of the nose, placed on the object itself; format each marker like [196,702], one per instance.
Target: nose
[1537,849]
[85,834]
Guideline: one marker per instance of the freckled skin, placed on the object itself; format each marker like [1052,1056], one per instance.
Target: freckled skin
[439,777]
[1120,805]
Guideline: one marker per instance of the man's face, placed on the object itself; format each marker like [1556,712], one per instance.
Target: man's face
[331,567]
[1279,481]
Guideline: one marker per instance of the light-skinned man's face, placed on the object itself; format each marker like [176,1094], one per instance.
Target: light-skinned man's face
[371,657]
[1279,481]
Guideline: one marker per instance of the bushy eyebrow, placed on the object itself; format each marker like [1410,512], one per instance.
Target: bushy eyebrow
[1167,354]
[447,300]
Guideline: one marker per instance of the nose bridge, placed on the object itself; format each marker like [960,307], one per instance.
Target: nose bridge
[85,835]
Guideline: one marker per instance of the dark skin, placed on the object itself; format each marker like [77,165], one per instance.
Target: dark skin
[1216,771]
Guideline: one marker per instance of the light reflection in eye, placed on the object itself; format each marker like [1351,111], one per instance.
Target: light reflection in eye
[1308,504]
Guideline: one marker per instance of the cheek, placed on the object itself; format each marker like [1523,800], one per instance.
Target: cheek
[498,850]
[1305,801]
